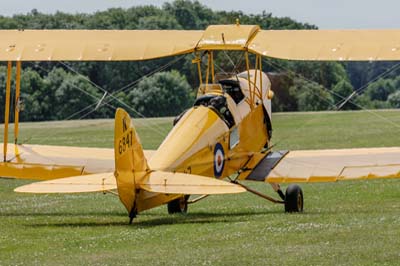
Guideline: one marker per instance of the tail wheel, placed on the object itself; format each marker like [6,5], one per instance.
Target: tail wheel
[294,199]
[179,205]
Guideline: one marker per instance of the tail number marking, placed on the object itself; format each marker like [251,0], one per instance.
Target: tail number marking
[125,142]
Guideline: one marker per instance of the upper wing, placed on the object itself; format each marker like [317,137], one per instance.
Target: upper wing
[120,45]
[328,45]
[94,45]
[334,165]
[45,162]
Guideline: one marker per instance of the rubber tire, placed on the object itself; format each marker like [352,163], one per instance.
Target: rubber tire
[179,205]
[294,200]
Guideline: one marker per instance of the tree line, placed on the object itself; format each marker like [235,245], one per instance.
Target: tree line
[71,90]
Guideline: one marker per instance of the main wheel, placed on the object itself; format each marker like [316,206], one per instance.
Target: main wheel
[179,205]
[294,199]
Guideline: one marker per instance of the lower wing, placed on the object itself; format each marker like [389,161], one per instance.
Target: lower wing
[45,162]
[327,165]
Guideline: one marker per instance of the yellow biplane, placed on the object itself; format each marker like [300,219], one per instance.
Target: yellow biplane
[226,134]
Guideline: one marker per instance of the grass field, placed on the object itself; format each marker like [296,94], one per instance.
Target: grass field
[347,223]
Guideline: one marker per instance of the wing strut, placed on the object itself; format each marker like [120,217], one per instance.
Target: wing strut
[7,105]
[7,109]
[197,199]
[255,192]
[17,105]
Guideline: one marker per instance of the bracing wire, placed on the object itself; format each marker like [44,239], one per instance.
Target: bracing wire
[234,65]
[304,78]
[230,59]
[107,103]
[384,74]
[75,87]
[113,97]
[333,93]
[161,131]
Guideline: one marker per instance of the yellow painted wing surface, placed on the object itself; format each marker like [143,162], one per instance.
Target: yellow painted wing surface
[180,183]
[335,165]
[75,184]
[94,45]
[121,45]
[43,162]
[227,37]
[158,181]
[328,45]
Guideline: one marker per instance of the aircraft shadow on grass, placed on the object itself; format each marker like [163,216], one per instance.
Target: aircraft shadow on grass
[152,219]
[192,218]
[158,220]
[61,214]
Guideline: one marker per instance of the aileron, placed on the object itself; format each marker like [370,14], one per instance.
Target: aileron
[265,166]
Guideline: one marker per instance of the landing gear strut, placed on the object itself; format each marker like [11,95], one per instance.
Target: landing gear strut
[179,205]
[292,199]
[281,195]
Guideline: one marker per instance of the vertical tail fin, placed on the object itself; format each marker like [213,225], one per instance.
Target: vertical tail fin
[130,162]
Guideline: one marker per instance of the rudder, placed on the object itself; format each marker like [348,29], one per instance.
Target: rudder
[130,162]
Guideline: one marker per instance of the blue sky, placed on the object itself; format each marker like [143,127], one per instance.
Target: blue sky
[334,14]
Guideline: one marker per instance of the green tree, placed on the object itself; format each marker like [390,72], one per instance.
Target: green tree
[190,15]
[394,99]
[37,99]
[72,94]
[310,96]
[380,89]
[158,22]
[164,94]
[283,100]
[341,91]
[3,77]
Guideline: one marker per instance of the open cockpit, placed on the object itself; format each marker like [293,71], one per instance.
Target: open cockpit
[222,98]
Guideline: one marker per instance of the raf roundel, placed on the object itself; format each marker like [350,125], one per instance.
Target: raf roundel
[219,160]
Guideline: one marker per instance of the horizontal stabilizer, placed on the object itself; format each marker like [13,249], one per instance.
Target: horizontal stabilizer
[180,183]
[75,184]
